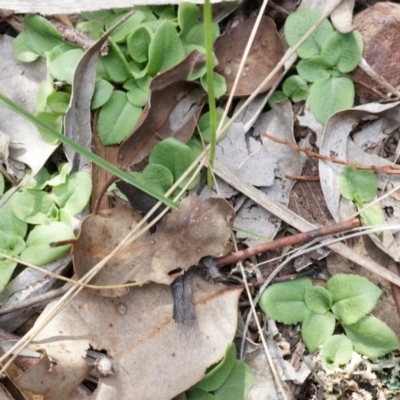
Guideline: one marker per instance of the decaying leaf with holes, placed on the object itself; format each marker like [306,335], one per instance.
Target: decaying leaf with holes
[147,349]
[196,229]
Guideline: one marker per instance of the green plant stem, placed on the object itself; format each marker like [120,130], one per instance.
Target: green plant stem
[81,150]
[210,87]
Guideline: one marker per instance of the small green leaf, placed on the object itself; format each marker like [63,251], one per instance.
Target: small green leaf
[102,15]
[204,126]
[238,383]
[216,377]
[138,44]
[45,89]
[358,184]
[329,96]
[294,87]
[60,177]
[196,34]
[2,184]
[316,329]
[6,270]
[156,176]
[198,394]
[297,25]
[9,223]
[59,102]
[176,156]
[219,84]
[15,245]
[94,28]
[372,215]
[371,337]
[32,206]
[39,181]
[318,299]
[277,96]
[114,66]
[138,97]
[166,49]
[284,302]
[58,51]
[314,69]
[12,245]
[74,194]
[102,93]
[343,50]
[337,350]
[38,250]
[22,50]
[353,297]
[63,67]
[54,121]
[165,11]
[122,32]
[188,16]
[117,119]
[41,34]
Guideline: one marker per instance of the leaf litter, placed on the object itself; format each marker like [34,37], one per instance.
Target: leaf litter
[201,227]
[140,337]
[112,380]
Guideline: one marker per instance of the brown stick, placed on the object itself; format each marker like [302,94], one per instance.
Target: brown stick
[287,241]
[388,169]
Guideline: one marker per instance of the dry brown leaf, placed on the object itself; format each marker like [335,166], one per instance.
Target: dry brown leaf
[265,53]
[152,356]
[172,111]
[380,48]
[196,229]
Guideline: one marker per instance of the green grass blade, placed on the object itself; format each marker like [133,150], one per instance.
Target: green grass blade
[210,86]
[81,150]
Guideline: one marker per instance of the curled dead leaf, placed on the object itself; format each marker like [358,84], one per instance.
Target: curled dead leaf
[147,348]
[196,229]
[265,53]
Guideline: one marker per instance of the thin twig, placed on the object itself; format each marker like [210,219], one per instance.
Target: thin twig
[387,169]
[288,241]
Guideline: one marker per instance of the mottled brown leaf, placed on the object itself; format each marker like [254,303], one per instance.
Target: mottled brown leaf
[152,356]
[196,229]
[265,53]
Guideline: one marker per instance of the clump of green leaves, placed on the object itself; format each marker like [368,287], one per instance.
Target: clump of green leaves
[168,161]
[229,379]
[38,214]
[347,299]
[326,57]
[151,41]
[361,186]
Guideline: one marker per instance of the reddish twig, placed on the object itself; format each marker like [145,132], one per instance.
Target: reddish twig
[388,169]
[287,241]
[303,177]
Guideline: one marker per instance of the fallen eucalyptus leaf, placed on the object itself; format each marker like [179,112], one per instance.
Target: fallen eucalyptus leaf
[265,53]
[146,347]
[201,227]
